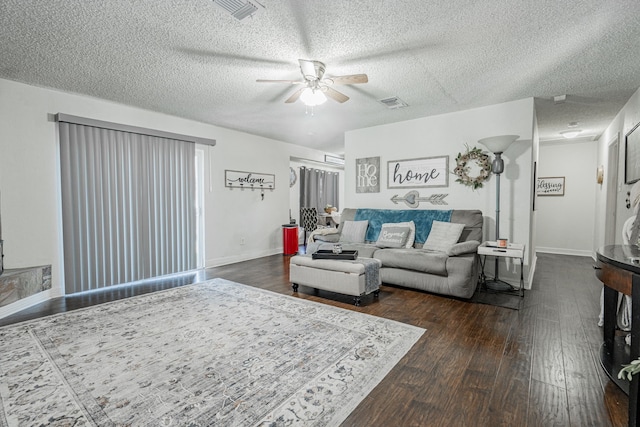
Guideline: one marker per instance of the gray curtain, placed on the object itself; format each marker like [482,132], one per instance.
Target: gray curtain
[318,188]
[128,206]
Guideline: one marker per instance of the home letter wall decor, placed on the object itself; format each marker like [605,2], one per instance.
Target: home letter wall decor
[368,175]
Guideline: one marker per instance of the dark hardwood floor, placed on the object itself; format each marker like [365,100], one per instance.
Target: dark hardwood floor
[476,365]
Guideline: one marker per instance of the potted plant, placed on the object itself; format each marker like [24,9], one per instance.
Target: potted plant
[629,370]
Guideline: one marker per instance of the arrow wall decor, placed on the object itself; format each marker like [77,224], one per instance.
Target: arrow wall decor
[413,199]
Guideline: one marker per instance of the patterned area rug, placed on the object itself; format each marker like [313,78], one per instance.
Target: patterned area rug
[214,353]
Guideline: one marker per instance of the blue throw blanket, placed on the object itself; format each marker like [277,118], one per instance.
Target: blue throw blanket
[422,218]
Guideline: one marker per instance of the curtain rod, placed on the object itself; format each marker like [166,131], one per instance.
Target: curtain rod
[68,118]
[319,162]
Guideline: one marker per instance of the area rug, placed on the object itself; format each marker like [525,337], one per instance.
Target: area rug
[209,354]
[498,299]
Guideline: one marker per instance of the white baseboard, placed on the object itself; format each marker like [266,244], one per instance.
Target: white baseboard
[563,251]
[217,262]
[27,302]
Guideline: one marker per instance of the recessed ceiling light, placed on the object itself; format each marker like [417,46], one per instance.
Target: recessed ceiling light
[569,134]
[572,124]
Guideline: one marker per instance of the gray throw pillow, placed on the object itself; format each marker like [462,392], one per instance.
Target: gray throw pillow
[443,235]
[392,236]
[354,231]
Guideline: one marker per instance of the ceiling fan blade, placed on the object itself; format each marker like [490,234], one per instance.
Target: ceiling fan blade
[292,82]
[295,96]
[335,95]
[349,80]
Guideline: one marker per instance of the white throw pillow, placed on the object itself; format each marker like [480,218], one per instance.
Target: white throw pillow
[392,236]
[443,235]
[354,231]
[412,233]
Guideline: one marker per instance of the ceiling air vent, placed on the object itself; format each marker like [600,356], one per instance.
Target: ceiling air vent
[394,102]
[239,9]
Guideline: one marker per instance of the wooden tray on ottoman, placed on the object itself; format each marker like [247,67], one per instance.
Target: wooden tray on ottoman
[327,254]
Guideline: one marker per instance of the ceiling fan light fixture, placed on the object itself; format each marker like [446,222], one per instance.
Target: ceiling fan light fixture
[569,134]
[312,97]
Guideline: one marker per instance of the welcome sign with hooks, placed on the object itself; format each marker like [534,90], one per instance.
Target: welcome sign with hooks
[250,180]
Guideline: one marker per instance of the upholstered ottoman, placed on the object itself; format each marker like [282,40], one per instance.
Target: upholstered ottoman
[356,278]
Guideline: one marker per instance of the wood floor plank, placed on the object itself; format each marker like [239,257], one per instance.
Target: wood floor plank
[548,363]
[586,405]
[476,365]
[548,406]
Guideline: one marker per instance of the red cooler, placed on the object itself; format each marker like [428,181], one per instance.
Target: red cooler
[290,239]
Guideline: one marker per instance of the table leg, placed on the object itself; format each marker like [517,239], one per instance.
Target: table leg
[483,278]
[610,306]
[522,277]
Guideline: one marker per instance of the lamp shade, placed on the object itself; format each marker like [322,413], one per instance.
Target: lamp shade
[313,97]
[497,144]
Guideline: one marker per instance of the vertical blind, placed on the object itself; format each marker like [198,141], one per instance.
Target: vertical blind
[128,206]
[318,188]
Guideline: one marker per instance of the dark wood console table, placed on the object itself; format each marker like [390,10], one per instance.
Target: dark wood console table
[618,267]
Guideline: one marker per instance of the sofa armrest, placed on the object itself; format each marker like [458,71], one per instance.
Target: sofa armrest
[468,247]
[329,238]
[327,234]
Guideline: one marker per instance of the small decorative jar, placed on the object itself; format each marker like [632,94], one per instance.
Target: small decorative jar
[337,248]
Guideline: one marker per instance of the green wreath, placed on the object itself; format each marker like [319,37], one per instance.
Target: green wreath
[462,167]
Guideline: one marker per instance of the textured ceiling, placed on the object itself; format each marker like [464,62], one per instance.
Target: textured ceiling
[192,59]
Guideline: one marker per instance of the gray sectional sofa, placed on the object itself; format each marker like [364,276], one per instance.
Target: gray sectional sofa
[449,269]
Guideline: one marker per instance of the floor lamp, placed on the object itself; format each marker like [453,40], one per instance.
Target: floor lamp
[497,145]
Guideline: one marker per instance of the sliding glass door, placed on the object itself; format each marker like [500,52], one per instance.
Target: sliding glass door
[128,206]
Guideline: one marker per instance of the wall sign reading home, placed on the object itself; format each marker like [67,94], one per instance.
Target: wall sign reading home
[253,180]
[416,173]
[551,186]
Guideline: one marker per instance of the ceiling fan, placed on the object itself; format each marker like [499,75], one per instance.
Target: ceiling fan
[316,88]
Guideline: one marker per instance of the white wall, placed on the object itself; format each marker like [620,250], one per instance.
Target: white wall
[624,121]
[29,183]
[565,224]
[447,134]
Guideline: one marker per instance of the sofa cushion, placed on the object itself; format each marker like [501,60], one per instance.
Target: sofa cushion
[393,236]
[412,233]
[421,218]
[354,231]
[332,238]
[413,259]
[443,235]
[473,221]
